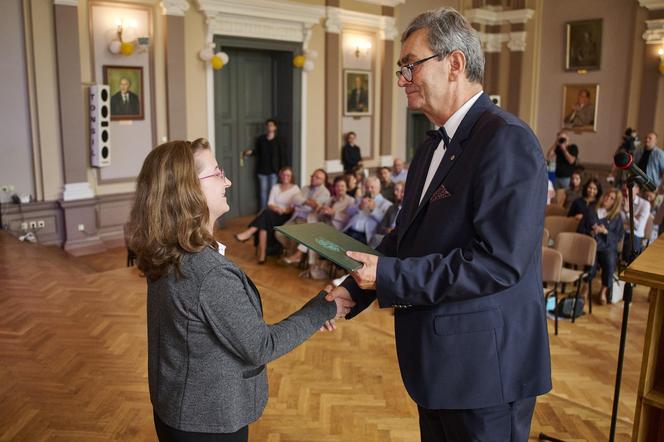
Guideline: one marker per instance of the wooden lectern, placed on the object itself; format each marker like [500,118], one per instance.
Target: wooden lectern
[648,270]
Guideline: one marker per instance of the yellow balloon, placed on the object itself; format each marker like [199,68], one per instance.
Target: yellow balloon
[127,48]
[217,63]
[298,61]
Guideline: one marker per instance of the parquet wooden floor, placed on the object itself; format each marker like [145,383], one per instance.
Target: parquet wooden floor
[73,359]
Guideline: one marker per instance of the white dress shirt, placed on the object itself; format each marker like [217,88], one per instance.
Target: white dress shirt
[451,126]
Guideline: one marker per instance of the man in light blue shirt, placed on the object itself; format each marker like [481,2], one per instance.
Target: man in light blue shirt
[399,173]
[367,213]
[650,159]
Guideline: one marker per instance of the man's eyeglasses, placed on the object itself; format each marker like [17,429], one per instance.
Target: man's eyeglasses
[219,174]
[407,70]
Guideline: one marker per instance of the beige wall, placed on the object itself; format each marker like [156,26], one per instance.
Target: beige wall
[315,99]
[42,76]
[42,66]
[196,74]
[14,108]
[540,105]
[613,76]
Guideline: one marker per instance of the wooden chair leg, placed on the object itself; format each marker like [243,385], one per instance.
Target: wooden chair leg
[576,299]
[590,295]
[555,309]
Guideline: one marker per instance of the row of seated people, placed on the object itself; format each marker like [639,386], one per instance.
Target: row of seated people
[577,192]
[605,217]
[365,214]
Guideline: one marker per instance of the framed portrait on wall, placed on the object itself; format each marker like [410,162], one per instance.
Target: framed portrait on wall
[126,88]
[583,45]
[580,107]
[357,92]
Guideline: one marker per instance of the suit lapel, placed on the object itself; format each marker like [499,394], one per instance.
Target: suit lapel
[451,157]
[410,206]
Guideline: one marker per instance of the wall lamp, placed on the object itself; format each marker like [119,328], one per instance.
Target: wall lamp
[362,45]
[125,41]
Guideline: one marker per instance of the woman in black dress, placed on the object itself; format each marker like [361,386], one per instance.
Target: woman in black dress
[592,192]
[279,209]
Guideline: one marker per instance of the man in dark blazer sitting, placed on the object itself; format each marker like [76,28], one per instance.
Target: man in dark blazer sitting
[462,268]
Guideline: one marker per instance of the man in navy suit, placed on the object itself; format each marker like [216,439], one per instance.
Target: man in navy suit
[462,268]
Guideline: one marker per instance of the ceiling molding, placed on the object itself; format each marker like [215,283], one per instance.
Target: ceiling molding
[391,3]
[654,31]
[338,19]
[486,16]
[493,42]
[283,20]
[653,5]
[174,7]
[517,41]
[66,2]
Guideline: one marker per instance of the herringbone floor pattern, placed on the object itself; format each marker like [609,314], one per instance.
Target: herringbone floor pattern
[73,359]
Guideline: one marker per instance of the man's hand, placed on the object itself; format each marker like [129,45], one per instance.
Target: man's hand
[365,276]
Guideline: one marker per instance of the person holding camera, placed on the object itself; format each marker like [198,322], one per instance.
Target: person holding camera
[565,155]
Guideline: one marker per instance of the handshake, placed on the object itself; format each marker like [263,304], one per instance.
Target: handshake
[365,277]
[343,301]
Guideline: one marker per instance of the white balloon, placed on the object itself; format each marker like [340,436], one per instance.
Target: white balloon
[308,66]
[224,57]
[313,54]
[205,54]
[114,47]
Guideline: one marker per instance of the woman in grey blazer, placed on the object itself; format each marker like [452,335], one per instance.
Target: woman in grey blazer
[207,341]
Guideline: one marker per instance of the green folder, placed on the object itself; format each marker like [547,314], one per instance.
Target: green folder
[328,242]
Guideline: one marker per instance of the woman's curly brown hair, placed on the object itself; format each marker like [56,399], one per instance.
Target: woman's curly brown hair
[170,214]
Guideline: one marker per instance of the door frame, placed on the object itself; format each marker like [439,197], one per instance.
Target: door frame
[298,131]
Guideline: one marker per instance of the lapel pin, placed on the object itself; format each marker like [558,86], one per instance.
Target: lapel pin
[452,158]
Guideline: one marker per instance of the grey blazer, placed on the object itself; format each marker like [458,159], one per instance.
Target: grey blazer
[208,344]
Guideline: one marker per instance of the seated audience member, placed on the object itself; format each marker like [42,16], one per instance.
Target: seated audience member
[367,212]
[386,184]
[641,214]
[591,192]
[389,221]
[574,190]
[351,157]
[308,200]
[399,172]
[354,191]
[606,226]
[333,212]
[279,209]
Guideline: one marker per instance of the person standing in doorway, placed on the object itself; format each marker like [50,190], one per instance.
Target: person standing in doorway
[271,156]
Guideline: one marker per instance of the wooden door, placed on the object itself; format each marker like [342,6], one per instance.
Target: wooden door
[244,99]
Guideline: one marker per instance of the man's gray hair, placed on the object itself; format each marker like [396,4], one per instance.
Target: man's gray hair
[449,31]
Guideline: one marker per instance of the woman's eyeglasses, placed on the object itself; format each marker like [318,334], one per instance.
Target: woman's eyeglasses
[407,70]
[219,174]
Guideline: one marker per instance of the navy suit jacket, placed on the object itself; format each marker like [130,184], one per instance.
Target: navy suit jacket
[463,269]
